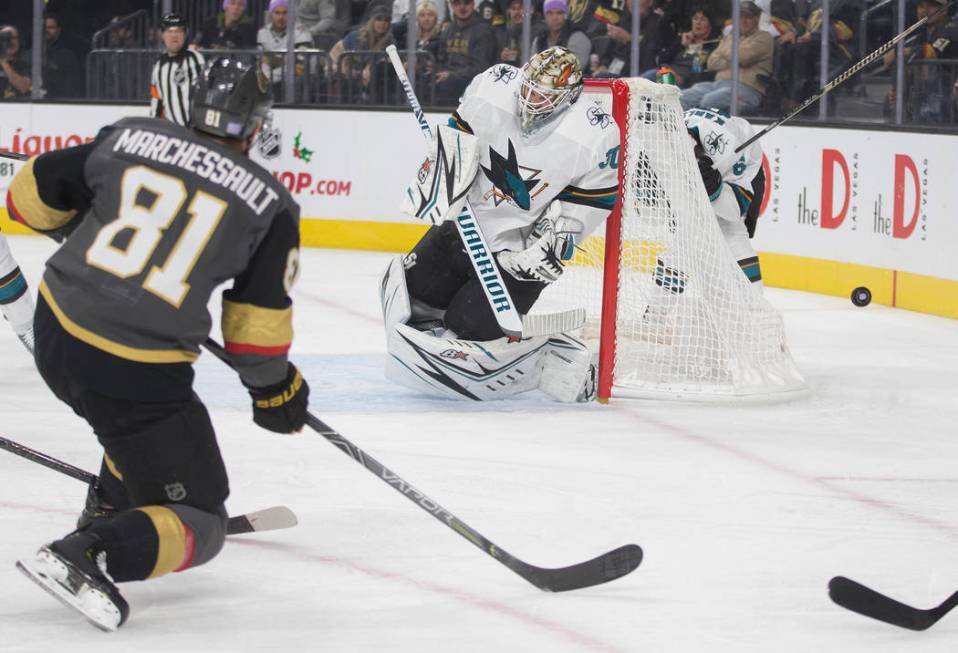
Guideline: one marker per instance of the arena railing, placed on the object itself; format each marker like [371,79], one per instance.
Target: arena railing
[139,25]
[931,94]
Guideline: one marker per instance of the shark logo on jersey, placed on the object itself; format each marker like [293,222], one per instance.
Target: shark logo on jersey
[506,176]
[598,116]
[715,143]
[504,74]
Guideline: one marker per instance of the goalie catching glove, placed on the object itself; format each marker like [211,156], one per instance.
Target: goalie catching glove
[444,178]
[281,407]
[553,242]
[711,178]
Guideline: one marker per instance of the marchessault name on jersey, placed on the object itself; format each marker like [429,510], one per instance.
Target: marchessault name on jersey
[200,160]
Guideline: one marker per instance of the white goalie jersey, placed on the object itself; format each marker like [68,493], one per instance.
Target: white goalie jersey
[572,159]
[719,136]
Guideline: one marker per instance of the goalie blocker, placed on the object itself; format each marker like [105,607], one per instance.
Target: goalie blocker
[435,362]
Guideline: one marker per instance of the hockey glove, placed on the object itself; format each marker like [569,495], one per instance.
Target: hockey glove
[553,242]
[281,407]
[711,177]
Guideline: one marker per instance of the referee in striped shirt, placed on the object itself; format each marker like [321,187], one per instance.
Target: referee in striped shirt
[174,73]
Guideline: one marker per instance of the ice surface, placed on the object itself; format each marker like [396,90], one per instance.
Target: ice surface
[744,512]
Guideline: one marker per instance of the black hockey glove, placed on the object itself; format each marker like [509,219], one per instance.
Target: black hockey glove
[711,177]
[281,407]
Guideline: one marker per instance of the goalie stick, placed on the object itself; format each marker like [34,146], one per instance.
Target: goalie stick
[268,519]
[493,285]
[602,569]
[865,601]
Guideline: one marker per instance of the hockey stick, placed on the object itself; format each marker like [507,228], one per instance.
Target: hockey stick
[268,519]
[879,51]
[15,156]
[865,601]
[480,255]
[606,567]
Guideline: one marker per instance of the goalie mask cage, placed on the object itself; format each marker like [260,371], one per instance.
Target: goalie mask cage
[673,314]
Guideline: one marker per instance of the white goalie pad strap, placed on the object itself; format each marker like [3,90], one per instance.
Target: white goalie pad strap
[439,189]
[568,373]
[393,295]
[463,369]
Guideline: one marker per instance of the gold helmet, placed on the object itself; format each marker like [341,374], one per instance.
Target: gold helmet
[551,81]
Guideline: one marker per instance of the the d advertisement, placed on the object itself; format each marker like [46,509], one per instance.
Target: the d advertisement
[874,198]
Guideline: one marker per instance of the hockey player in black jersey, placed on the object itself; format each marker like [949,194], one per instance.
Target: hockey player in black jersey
[153,216]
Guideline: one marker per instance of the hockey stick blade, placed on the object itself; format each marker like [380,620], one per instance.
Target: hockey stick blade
[550,324]
[854,596]
[607,567]
[268,519]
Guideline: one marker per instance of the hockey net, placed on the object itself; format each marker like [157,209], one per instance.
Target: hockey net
[669,310]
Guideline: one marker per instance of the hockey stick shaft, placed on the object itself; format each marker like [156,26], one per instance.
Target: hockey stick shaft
[14,155]
[474,242]
[845,76]
[268,519]
[612,565]
[856,597]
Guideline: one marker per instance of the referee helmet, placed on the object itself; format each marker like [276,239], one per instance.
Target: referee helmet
[231,99]
[172,20]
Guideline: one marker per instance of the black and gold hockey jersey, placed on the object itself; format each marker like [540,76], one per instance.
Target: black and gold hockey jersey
[155,218]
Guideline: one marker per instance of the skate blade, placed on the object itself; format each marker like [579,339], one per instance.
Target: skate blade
[94,605]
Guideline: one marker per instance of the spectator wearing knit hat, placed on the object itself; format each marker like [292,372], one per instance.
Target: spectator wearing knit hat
[272,37]
[559,32]
[230,29]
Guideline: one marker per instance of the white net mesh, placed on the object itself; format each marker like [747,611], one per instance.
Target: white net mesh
[688,323]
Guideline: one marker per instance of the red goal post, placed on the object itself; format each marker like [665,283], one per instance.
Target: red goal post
[668,310]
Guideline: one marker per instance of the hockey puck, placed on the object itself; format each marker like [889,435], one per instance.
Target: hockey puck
[861,296]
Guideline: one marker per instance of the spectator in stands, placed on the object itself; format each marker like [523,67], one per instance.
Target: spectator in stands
[755,55]
[806,49]
[928,86]
[427,28]
[688,57]
[174,73]
[466,48]
[559,32]
[373,36]
[230,29]
[612,40]
[400,14]
[14,65]
[121,37]
[509,34]
[272,37]
[677,15]
[62,73]
[324,20]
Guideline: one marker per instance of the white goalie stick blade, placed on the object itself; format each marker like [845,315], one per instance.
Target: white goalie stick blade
[550,324]
[268,519]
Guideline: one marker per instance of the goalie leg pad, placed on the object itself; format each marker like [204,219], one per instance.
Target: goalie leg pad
[463,369]
[568,373]
[393,294]
[438,191]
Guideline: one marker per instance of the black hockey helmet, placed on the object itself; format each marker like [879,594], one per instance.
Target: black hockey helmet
[172,20]
[230,99]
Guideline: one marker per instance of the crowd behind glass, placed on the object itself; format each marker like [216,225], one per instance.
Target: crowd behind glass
[339,49]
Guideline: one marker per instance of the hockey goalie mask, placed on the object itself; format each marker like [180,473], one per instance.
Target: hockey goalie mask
[551,81]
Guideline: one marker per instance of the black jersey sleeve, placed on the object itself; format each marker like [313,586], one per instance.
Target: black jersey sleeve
[50,191]
[257,317]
